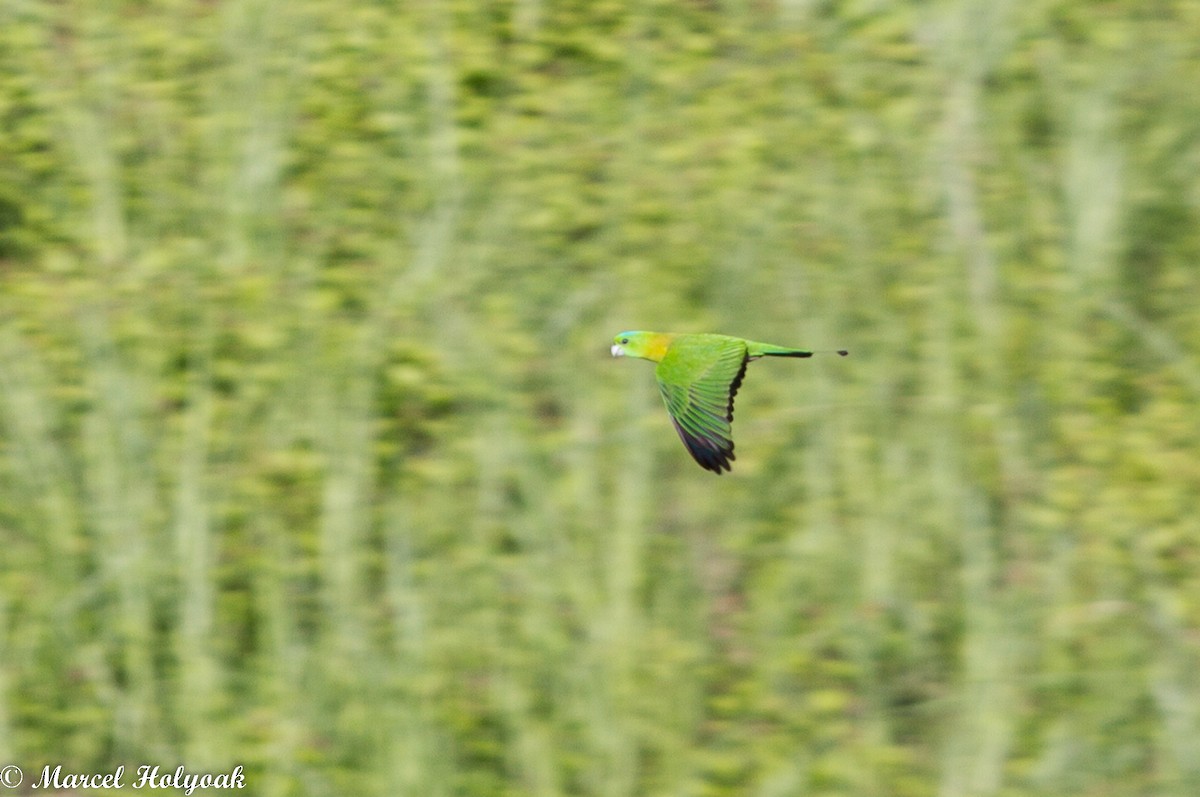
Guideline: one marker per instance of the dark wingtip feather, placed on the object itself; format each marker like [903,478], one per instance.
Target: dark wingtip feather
[714,460]
[710,454]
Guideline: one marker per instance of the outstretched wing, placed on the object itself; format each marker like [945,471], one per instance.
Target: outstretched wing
[698,379]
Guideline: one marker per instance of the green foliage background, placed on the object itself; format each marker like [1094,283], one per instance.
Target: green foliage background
[312,458]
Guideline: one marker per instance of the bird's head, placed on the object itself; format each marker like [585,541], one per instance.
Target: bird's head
[647,345]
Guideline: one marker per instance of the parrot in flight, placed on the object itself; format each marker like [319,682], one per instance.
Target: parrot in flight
[699,375]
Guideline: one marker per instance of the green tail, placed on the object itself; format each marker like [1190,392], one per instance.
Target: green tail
[755,349]
[788,353]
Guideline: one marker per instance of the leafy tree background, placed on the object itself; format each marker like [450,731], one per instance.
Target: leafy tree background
[312,458]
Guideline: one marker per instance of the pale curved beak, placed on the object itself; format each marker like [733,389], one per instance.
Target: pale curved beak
[617,351]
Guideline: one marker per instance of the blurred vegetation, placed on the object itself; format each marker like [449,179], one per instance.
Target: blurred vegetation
[312,458]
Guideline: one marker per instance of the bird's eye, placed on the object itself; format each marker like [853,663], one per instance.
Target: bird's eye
[624,341]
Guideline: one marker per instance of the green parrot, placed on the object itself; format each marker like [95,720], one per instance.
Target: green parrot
[699,375]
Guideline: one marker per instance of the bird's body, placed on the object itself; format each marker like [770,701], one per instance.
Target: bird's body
[699,375]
